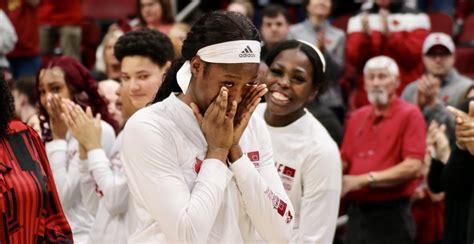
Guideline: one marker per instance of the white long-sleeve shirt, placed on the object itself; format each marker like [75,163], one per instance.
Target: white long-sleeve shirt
[110,195]
[309,165]
[65,164]
[180,196]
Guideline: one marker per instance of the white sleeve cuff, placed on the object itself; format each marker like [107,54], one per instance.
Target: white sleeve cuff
[96,158]
[56,145]
[242,166]
[215,171]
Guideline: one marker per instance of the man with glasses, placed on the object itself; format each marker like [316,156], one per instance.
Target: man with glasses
[441,82]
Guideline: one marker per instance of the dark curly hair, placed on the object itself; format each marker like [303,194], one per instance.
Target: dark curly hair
[145,42]
[82,87]
[211,28]
[6,106]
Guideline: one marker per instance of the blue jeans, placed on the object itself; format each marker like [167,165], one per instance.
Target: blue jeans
[24,66]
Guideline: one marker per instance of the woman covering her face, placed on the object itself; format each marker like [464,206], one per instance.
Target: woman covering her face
[200,168]
[65,79]
[306,156]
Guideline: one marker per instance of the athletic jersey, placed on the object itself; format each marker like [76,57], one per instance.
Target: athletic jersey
[66,166]
[179,196]
[308,162]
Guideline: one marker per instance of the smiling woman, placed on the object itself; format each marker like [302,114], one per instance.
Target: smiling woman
[199,144]
[306,156]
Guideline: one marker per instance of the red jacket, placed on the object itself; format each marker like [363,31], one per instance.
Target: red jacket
[407,31]
[60,12]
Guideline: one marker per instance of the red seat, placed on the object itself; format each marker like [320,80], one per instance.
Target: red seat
[464,60]
[341,22]
[441,22]
[108,9]
[467,32]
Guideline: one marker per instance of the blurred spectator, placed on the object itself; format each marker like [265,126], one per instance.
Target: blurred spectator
[317,30]
[382,153]
[244,7]
[390,29]
[154,14]
[275,27]
[60,21]
[427,206]
[106,65]
[445,6]
[24,59]
[108,89]
[8,39]
[440,73]
[178,34]
[23,91]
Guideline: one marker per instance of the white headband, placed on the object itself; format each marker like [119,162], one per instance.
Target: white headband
[233,52]
[320,54]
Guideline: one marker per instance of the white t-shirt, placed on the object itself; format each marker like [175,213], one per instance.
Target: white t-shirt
[309,165]
[66,166]
[181,197]
[109,195]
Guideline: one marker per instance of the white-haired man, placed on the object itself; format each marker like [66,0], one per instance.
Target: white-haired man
[382,153]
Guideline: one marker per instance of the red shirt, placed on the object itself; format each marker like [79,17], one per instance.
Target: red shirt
[23,17]
[60,12]
[375,143]
[30,211]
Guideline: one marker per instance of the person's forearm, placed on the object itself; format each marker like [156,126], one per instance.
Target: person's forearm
[406,170]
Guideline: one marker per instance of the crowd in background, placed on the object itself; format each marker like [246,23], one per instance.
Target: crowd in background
[397,84]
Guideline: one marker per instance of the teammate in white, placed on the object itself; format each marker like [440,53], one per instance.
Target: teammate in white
[144,56]
[199,168]
[65,78]
[307,158]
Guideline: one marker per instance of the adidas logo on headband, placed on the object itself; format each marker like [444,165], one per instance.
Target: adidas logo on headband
[247,53]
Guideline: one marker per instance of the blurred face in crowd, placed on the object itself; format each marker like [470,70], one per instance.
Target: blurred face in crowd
[289,81]
[237,7]
[274,29]
[438,60]
[20,101]
[383,3]
[151,11]
[380,86]
[109,57]
[141,78]
[52,82]
[108,89]
[319,8]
